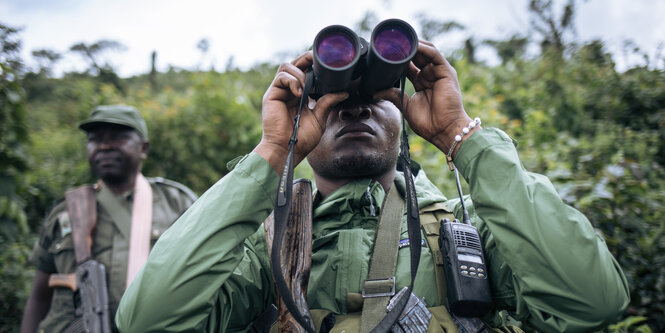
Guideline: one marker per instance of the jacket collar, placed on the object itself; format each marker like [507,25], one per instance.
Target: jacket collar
[360,195]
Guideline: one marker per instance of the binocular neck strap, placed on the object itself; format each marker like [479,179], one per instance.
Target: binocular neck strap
[413,216]
[281,215]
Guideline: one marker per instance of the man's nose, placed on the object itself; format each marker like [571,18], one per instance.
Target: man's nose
[106,142]
[355,113]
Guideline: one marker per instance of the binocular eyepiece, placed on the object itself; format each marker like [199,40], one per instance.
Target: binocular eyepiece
[341,58]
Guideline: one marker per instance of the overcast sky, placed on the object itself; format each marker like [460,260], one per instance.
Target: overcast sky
[253,31]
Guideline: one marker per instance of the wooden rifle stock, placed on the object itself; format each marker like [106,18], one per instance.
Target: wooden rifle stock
[82,208]
[90,275]
[296,253]
[62,281]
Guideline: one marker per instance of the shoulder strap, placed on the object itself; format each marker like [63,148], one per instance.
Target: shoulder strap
[139,239]
[380,283]
[429,222]
[82,209]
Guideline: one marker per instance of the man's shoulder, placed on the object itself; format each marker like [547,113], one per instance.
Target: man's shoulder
[56,212]
[172,186]
[56,223]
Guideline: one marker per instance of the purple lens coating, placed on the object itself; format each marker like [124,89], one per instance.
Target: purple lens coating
[393,43]
[336,50]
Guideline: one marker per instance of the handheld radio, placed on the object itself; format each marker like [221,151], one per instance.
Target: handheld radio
[465,269]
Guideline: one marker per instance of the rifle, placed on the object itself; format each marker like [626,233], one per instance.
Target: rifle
[296,253]
[93,312]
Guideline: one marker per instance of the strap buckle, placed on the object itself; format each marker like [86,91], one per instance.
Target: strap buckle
[378,287]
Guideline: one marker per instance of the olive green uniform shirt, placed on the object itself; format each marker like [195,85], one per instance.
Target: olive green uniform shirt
[210,272]
[54,252]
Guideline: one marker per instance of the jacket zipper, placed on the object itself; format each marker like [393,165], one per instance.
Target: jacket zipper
[372,210]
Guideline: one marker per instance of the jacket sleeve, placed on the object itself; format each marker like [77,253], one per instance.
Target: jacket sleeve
[201,275]
[547,264]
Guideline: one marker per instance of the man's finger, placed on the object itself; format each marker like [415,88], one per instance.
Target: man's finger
[393,95]
[325,103]
[428,54]
[285,83]
[294,71]
[412,73]
[304,60]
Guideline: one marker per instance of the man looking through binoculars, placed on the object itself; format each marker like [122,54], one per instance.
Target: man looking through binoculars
[210,271]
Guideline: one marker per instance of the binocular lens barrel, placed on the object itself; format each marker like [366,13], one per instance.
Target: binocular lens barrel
[336,50]
[340,56]
[393,43]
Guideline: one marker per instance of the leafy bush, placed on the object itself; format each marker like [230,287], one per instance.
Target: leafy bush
[14,231]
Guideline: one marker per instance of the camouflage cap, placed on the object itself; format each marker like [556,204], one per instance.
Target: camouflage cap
[116,114]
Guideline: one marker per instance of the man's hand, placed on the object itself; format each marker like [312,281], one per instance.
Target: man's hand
[435,111]
[280,105]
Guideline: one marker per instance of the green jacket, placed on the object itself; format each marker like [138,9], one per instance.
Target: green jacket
[54,252]
[210,271]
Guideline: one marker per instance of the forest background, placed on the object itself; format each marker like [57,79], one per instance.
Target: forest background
[597,132]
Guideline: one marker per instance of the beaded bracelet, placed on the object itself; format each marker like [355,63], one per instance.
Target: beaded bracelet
[458,138]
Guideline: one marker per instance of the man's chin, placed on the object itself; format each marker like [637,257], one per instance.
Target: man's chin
[362,165]
[111,176]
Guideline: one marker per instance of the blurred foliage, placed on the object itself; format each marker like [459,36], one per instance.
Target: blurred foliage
[597,132]
[631,324]
[15,235]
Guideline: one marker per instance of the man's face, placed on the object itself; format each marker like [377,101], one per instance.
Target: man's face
[115,152]
[361,140]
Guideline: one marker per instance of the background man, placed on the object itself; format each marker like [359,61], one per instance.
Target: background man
[117,144]
[545,262]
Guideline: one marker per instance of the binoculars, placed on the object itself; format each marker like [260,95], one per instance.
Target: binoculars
[345,62]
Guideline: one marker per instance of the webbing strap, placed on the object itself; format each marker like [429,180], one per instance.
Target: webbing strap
[412,221]
[380,283]
[429,221]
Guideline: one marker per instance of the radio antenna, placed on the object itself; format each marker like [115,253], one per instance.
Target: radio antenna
[465,213]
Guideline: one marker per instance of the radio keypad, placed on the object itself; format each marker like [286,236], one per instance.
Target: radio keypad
[472,271]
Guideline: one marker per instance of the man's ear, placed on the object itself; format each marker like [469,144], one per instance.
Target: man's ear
[145,147]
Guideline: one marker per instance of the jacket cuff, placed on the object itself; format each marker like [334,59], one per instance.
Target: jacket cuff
[479,142]
[255,167]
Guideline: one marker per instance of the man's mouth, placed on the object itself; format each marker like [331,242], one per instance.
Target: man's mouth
[106,159]
[355,129]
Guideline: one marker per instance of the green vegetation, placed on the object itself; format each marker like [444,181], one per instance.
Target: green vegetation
[597,132]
